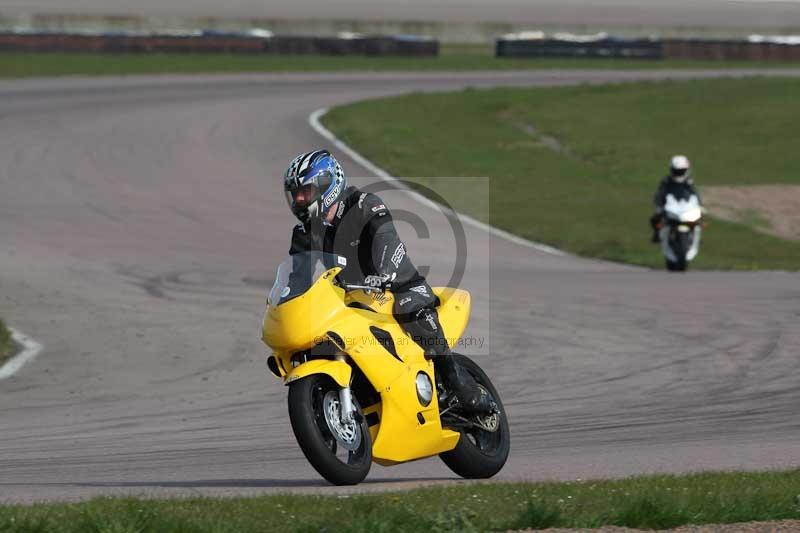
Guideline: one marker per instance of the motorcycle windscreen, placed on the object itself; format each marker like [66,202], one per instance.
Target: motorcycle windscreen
[683,210]
[298,273]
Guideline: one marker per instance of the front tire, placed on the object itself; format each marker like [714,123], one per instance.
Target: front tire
[676,266]
[325,440]
[480,454]
[681,242]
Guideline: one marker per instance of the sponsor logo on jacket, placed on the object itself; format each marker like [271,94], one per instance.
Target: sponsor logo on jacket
[420,289]
[398,255]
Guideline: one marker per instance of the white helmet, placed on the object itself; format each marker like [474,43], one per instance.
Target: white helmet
[679,168]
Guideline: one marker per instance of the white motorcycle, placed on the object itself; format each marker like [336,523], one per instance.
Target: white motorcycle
[680,231]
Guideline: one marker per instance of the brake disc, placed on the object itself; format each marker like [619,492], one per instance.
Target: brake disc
[347,435]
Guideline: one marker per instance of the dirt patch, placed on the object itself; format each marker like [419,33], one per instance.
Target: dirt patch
[772,209]
[542,139]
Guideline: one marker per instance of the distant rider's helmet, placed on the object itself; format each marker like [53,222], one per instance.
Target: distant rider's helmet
[313,182]
[679,168]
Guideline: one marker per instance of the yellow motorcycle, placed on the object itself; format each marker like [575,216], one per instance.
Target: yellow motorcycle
[360,389]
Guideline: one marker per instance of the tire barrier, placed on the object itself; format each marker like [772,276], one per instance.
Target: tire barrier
[366,45]
[700,49]
[608,47]
[219,43]
[730,50]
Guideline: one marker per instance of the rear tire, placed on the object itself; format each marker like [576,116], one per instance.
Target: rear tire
[480,454]
[314,435]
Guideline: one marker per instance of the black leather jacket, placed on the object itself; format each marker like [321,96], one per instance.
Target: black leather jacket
[363,232]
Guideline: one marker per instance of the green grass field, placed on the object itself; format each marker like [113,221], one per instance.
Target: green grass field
[452,57]
[651,502]
[577,167]
[5,342]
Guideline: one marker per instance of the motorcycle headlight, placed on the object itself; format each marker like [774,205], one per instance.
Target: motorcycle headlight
[424,389]
[691,215]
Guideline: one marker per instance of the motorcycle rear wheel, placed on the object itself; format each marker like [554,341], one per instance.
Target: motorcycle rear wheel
[480,454]
[309,398]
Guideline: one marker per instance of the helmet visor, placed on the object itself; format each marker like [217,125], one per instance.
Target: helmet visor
[302,200]
[679,171]
[302,196]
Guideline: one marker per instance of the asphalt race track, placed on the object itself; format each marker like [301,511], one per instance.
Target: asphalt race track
[141,220]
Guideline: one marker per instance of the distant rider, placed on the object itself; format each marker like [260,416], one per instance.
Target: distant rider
[679,183]
[335,218]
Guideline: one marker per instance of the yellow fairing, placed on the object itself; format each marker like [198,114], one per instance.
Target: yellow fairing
[454,309]
[302,322]
[401,435]
[338,370]
[406,430]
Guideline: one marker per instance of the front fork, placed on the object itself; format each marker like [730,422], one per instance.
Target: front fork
[345,399]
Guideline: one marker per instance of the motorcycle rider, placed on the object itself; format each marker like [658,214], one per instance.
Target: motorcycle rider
[343,220]
[679,183]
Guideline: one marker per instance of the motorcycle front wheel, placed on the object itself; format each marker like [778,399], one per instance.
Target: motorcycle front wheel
[676,266]
[480,453]
[681,244]
[340,451]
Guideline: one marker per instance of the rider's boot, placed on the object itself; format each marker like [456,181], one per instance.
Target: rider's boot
[655,238]
[655,222]
[472,398]
[424,327]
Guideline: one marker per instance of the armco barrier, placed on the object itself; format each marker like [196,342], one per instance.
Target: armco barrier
[123,43]
[623,48]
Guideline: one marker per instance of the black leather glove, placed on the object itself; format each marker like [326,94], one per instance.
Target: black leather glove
[382,282]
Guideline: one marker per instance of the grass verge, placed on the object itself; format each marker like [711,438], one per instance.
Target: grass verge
[577,167]
[652,502]
[452,57]
[5,342]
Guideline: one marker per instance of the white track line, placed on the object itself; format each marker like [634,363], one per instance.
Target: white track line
[30,349]
[314,122]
